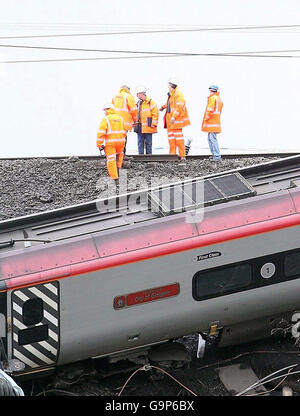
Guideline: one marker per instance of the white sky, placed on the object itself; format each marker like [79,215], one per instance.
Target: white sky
[54,108]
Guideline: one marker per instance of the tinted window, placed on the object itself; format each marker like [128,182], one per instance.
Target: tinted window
[212,283]
[292,264]
[33,311]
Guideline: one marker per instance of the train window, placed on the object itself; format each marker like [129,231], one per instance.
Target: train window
[213,283]
[32,311]
[292,264]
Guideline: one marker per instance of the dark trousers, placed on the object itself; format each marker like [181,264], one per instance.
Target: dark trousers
[145,141]
[124,151]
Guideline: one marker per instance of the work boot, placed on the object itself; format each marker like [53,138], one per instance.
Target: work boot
[217,163]
[116,181]
[182,161]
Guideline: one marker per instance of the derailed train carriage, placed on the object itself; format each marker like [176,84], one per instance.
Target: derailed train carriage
[120,277]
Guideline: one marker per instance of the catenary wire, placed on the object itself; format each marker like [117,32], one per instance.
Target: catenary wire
[170,55]
[169,30]
[88,50]
[145,52]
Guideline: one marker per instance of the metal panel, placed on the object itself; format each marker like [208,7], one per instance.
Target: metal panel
[211,193]
[171,199]
[233,185]
[189,194]
[46,256]
[160,232]
[295,194]
[246,212]
[88,224]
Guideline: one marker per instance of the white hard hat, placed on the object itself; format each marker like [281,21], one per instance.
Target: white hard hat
[125,84]
[173,81]
[107,106]
[141,89]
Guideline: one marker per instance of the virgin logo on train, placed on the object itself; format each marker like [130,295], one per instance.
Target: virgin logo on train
[144,296]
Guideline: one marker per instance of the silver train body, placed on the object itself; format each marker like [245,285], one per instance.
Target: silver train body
[82,282]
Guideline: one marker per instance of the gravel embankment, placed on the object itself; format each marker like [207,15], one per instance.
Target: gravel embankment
[35,185]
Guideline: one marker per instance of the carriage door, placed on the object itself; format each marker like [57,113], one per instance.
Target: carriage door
[35,325]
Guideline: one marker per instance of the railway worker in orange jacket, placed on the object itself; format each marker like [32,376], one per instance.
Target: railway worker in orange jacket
[175,118]
[212,121]
[147,120]
[111,137]
[125,107]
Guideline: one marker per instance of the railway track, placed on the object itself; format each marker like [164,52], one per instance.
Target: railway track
[169,158]
[160,157]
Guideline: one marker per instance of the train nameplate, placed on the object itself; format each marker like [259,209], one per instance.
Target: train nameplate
[206,256]
[147,295]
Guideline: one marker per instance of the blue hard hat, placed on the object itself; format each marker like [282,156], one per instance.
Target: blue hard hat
[213,87]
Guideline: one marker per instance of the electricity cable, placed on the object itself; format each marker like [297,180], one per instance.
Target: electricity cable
[147,367]
[274,388]
[267,379]
[289,373]
[89,50]
[146,52]
[169,55]
[150,31]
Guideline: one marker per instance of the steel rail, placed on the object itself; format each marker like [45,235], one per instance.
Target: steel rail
[156,157]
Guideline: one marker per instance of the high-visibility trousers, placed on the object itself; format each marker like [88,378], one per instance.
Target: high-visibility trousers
[114,158]
[176,140]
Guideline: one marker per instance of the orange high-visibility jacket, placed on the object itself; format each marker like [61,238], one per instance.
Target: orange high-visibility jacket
[212,116]
[178,110]
[111,130]
[148,115]
[126,107]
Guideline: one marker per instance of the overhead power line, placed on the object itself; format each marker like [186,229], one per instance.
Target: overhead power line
[165,30]
[169,55]
[147,52]
[88,50]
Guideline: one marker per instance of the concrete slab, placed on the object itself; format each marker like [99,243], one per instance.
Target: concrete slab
[236,379]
